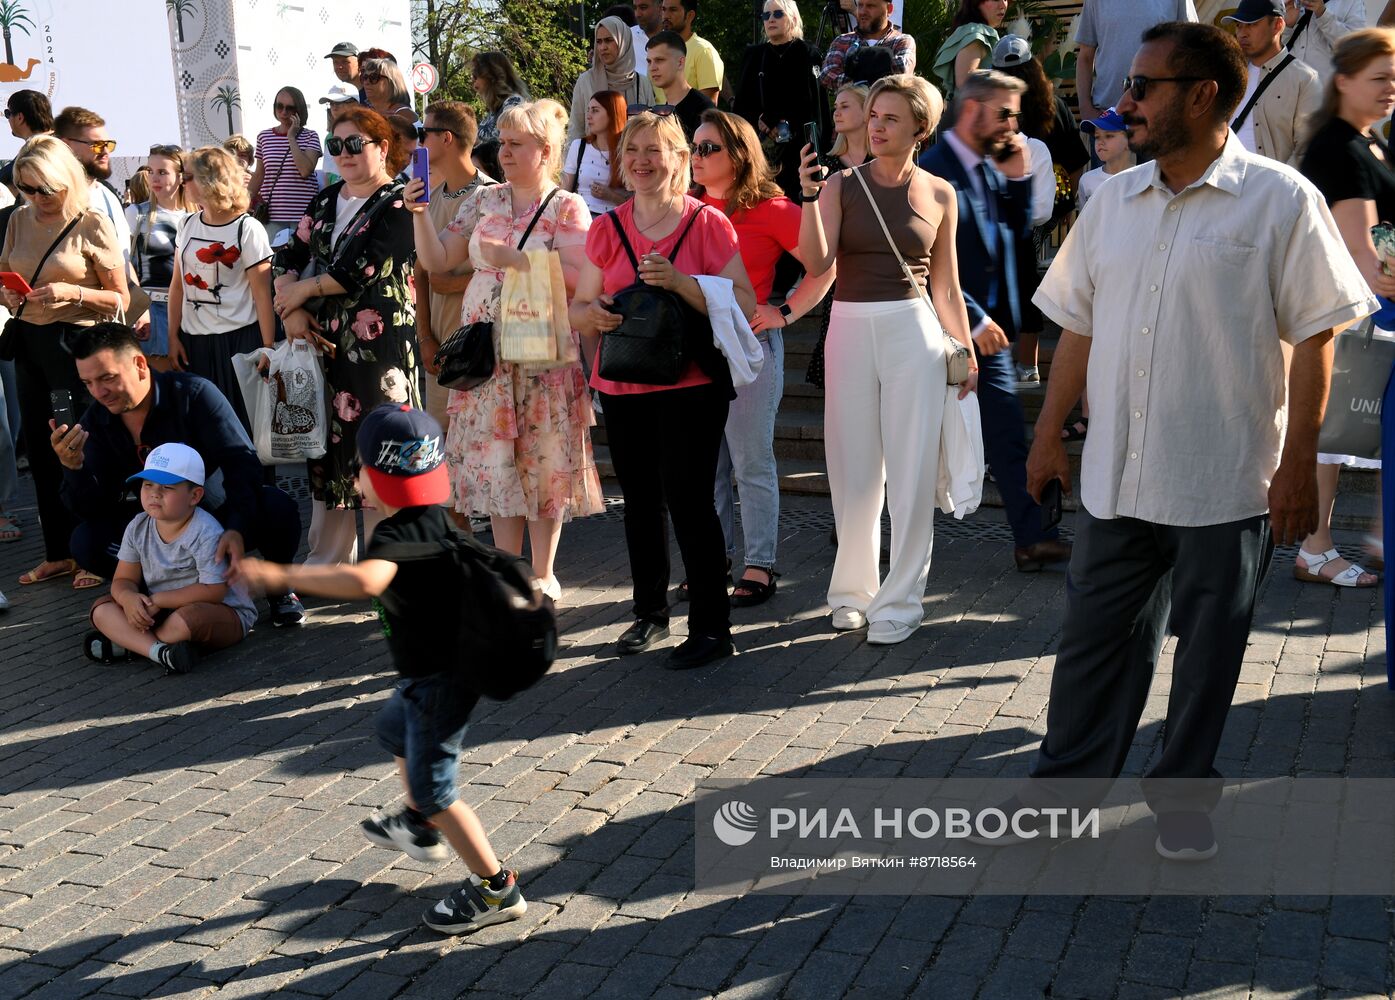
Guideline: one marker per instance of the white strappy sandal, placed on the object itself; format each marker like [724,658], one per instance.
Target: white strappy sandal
[1309,570]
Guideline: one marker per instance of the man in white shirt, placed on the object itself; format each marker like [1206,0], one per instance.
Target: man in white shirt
[85,133]
[1177,291]
[1275,123]
[649,21]
[1322,23]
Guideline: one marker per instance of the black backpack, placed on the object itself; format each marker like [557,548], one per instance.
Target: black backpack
[656,339]
[505,626]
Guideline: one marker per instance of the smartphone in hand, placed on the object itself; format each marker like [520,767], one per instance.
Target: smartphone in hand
[421,168]
[61,400]
[15,282]
[811,136]
[1051,505]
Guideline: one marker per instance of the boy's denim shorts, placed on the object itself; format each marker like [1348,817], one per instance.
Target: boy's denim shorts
[424,723]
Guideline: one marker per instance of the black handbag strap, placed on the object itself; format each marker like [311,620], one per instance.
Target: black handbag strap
[1298,28]
[361,218]
[576,170]
[44,259]
[1259,92]
[629,250]
[536,216]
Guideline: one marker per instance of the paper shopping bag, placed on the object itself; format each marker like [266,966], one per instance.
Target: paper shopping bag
[526,311]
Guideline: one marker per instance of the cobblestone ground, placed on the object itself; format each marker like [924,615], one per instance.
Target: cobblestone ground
[199,835]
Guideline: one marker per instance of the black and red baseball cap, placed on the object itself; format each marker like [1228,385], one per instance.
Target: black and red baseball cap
[404,456]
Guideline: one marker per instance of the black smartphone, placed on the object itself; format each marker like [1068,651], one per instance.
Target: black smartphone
[62,402]
[1051,505]
[811,136]
[1006,153]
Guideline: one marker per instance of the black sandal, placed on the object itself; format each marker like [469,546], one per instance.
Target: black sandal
[680,594]
[756,592]
[1077,430]
[99,649]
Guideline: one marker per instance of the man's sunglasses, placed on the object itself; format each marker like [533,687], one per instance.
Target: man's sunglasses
[98,147]
[1137,86]
[702,150]
[42,190]
[766,15]
[353,144]
[1007,114]
[8,112]
[424,129]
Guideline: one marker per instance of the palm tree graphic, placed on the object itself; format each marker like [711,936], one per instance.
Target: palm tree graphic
[180,8]
[12,16]
[226,98]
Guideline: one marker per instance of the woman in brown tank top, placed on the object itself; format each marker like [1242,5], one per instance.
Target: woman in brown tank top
[885,358]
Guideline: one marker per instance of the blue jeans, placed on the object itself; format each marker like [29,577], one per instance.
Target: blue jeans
[424,723]
[158,343]
[749,448]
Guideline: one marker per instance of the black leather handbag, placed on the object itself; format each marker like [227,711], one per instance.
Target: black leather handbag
[649,346]
[467,359]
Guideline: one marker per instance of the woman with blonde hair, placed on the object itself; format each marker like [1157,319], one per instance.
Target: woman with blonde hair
[220,286]
[519,446]
[612,68]
[154,225]
[73,261]
[1349,161]
[665,439]
[386,89]
[886,374]
[732,176]
[779,90]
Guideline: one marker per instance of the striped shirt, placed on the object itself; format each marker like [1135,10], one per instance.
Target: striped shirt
[283,189]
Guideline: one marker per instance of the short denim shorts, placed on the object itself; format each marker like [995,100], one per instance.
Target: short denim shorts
[424,723]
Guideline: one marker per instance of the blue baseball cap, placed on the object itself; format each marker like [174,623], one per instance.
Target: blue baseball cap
[1110,121]
[172,463]
[404,456]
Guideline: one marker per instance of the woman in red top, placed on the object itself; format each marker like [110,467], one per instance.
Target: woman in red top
[733,176]
[664,440]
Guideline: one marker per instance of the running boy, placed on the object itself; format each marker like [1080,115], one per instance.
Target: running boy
[403,475]
[187,604]
[1111,146]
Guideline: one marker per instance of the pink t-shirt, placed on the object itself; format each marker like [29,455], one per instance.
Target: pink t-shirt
[708,248]
[765,231]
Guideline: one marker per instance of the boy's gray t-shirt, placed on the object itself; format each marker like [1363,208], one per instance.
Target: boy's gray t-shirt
[1115,28]
[191,558]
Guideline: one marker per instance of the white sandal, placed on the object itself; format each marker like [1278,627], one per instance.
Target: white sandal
[1309,570]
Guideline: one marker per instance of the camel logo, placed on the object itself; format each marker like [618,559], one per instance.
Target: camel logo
[19,17]
[735,824]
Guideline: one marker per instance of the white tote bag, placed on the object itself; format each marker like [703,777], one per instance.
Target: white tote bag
[286,405]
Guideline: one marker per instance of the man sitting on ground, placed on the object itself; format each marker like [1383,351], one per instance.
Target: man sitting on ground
[138,409]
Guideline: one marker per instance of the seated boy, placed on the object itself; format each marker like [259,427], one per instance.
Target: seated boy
[424,722]
[185,603]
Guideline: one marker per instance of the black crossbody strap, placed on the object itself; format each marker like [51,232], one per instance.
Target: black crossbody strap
[1298,28]
[629,250]
[44,259]
[576,170]
[536,216]
[1259,92]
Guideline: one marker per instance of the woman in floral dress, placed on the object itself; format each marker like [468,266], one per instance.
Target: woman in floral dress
[356,307]
[519,446]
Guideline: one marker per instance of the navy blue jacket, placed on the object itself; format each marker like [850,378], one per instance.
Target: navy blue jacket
[987,259]
[187,409]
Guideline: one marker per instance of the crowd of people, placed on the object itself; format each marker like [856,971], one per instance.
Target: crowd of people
[1243,233]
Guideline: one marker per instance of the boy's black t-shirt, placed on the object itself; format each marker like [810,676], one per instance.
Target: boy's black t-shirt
[690,109]
[416,609]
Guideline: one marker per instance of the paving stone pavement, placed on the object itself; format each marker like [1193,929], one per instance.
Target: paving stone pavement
[198,836]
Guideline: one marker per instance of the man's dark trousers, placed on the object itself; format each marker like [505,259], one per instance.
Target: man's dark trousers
[1129,581]
[1005,446]
[277,535]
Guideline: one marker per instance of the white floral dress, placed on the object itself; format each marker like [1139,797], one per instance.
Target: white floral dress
[520,444]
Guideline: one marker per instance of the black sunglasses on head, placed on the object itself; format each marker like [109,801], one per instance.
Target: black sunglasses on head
[1137,86]
[353,144]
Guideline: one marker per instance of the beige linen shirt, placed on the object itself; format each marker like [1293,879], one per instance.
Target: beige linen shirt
[1281,114]
[1186,298]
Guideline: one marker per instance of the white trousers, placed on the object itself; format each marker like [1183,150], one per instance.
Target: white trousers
[884,402]
[334,534]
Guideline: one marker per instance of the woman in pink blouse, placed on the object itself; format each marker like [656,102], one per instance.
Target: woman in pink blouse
[519,446]
[664,439]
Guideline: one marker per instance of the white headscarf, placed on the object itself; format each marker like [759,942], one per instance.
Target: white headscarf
[620,76]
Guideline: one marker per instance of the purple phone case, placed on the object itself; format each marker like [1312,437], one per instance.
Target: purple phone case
[421,167]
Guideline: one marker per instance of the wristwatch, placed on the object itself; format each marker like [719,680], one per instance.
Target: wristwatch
[786,312]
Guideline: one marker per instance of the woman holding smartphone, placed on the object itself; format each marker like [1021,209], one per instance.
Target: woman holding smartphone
[284,179]
[72,261]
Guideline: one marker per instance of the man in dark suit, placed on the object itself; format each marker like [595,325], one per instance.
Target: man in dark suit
[994,213]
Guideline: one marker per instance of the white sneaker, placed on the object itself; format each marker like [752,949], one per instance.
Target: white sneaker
[889,633]
[1028,377]
[552,588]
[848,620]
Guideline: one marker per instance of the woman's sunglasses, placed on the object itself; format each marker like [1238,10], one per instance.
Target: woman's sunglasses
[766,15]
[42,191]
[371,78]
[702,150]
[353,144]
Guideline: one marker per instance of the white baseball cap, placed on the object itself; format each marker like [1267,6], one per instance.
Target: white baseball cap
[172,463]
[340,93]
